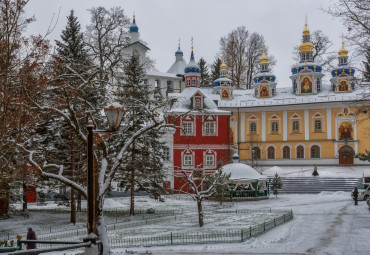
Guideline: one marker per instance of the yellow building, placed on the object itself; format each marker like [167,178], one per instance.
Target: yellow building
[303,125]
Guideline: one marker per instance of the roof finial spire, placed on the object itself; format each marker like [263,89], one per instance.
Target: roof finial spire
[134,18]
[179,43]
[192,44]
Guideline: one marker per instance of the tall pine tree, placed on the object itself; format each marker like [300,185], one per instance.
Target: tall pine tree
[144,168]
[367,65]
[204,74]
[215,70]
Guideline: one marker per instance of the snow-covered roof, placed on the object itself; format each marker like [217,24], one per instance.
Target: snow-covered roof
[285,96]
[182,104]
[178,67]
[162,74]
[240,172]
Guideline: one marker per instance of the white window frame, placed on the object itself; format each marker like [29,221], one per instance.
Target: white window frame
[193,81]
[186,128]
[210,160]
[188,81]
[254,129]
[274,128]
[188,160]
[210,128]
[295,127]
[166,153]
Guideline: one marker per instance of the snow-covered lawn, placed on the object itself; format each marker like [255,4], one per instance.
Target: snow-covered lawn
[325,223]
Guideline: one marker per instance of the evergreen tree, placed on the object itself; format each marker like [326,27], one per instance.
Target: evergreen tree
[367,65]
[364,156]
[215,69]
[204,74]
[276,184]
[144,168]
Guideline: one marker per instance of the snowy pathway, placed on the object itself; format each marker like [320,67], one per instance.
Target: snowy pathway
[322,224]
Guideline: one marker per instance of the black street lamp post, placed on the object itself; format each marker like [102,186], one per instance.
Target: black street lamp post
[114,113]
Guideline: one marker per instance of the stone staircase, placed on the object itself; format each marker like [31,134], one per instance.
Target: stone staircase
[296,185]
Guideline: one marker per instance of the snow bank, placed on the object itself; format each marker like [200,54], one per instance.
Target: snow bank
[276,169]
[110,203]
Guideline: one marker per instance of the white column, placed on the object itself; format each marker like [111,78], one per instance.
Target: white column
[356,148]
[285,125]
[328,123]
[242,127]
[263,126]
[355,130]
[306,126]
[336,149]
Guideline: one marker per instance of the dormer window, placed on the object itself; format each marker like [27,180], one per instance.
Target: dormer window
[197,103]
[188,81]
[194,82]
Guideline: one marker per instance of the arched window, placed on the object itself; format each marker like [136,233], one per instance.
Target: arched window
[317,126]
[194,81]
[188,81]
[300,151]
[256,153]
[315,151]
[274,127]
[255,92]
[271,153]
[294,85]
[286,152]
[253,127]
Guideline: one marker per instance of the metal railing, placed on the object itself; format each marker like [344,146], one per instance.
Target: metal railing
[222,236]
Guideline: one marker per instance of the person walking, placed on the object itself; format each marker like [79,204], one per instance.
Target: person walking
[355,195]
[31,235]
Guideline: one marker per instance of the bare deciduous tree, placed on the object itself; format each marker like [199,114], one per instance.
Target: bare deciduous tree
[242,50]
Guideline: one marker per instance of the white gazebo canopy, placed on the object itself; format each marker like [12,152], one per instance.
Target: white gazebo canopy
[241,173]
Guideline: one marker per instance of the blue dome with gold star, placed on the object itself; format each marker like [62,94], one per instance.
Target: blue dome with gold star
[134,27]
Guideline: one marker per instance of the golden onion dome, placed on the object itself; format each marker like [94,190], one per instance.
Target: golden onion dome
[306,46]
[223,66]
[343,51]
[264,58]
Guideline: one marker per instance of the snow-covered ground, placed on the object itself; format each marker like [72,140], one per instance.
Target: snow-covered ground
[325,223]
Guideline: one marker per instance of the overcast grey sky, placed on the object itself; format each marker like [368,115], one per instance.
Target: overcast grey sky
[162,22]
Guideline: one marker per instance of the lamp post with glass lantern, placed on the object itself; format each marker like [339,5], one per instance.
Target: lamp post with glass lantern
[114,113]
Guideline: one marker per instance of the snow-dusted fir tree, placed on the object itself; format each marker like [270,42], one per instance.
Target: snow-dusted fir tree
[204,73]
[144,168]
[276,184]
[215,69]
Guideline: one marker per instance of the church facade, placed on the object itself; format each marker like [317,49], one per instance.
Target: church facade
[307,124]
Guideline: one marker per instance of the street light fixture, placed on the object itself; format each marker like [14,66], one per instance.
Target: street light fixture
[114,113]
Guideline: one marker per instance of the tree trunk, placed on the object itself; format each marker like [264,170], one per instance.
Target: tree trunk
[24,196]
[73,203]
[132,196]
[101,229]
[200,212]
[79,202]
